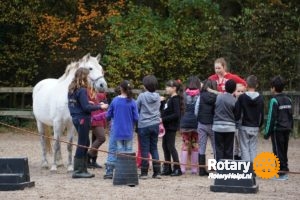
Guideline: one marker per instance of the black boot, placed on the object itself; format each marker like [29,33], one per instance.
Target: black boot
[167,170]
[109,171]
[92,162]
[177,171]
[89,160]
[156,170]
[144,173]
[85,167]
[202,161]
[236,157]
[80,170]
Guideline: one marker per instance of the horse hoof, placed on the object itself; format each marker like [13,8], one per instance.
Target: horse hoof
[45,165]
[59,163]
[53,168]
[70,168]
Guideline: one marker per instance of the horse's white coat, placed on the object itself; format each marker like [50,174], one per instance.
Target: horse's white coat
[50,106]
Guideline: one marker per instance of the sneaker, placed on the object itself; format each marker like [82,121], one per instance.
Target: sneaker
[282,177]
[156,175]
[177,172]
[108,176]
[166,173]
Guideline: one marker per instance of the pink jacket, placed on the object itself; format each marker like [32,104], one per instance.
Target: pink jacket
[100,97]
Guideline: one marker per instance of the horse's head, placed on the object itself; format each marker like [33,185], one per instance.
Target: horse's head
[96,75]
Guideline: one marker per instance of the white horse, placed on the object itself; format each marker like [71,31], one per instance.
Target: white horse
[50,106]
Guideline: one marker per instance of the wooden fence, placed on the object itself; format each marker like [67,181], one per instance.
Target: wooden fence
[20,102]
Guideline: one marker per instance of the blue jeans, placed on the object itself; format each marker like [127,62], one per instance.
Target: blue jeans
[148,141]
[112,147]
[124,146]
[82,126]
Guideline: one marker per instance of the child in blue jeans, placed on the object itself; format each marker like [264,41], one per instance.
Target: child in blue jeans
[112,146]
[124,111]
[148,104]
[111,157]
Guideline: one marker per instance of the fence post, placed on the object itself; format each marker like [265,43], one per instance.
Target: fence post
[296,116]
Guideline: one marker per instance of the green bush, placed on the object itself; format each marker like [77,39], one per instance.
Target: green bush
[143,41]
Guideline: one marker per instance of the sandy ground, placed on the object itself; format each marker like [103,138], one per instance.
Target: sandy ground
[60,185]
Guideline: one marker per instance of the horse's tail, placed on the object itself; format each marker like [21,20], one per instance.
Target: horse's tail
[48,136]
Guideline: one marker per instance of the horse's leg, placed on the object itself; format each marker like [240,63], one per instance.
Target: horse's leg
[57,129]
[59,161]
[41,131]
[71,131]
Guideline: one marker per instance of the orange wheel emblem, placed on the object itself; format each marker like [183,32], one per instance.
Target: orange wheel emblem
[266,165]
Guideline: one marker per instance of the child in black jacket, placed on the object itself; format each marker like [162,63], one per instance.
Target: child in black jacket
[170,116]
[205,116]
[280,123]
[250,109]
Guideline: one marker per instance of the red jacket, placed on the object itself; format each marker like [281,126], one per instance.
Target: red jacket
[221,83]
[100,97]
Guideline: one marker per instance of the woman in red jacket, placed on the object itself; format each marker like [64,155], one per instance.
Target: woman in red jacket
[221,75]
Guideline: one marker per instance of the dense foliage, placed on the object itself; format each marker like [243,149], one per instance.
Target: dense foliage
[169,38]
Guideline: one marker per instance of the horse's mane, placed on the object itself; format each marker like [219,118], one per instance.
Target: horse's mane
[72,66]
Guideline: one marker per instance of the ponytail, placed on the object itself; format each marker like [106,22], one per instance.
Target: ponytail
[126,87]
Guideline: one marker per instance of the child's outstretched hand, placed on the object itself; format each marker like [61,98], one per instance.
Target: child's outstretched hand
[103,106]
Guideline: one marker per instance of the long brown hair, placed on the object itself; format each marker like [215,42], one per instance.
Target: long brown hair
[179,89]
[91,92]
[79,80]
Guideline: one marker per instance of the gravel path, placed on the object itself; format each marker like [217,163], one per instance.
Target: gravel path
[60,185]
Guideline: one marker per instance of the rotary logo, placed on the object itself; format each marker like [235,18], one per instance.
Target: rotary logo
[266,165]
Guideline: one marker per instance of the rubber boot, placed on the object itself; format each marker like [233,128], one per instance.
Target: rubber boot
[85,167]
[109,171]
[194,161]
[156,171]
[80,170]
[202,161]
[184,157]
[167,170]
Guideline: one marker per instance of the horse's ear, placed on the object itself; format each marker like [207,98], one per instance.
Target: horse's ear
[86,57]
[98,57]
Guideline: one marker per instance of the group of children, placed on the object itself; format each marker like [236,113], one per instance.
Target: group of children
[224,108]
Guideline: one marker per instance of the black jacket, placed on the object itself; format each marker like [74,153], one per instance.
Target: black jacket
[280,115]
[206,109]
[250,107]
[170,113]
